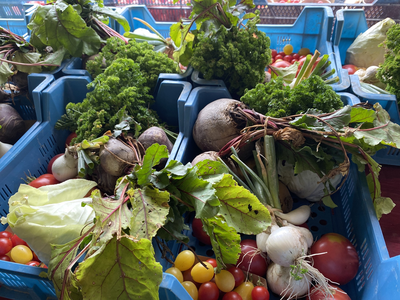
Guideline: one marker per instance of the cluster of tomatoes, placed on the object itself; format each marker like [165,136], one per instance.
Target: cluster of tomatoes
[14,249]
[202,282]
[286,58]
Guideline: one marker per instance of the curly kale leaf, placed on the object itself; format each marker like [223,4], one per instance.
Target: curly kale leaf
[151,63]
[389,71]
[237,56]
[122,87]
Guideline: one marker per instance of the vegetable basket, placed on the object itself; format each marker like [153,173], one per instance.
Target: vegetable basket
[19,281]
[354,217]
[350,23]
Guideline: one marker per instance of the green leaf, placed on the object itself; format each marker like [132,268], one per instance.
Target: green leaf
[149,209]
[152,158]
[288,74]
[383,205]
[177,169]
[104,207]
[327,200]
[59,25]
[249,16]
[141,37]
[113,15]
[5,72]
[240,208]
[225,241]
[27,58]
[151,28]
[122,268]
[362,115]
[175,33]
[212,171]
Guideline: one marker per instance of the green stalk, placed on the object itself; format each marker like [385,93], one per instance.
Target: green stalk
[321,63]
[327,74]
[373,89]
[323,68]
[249,182]
[332,80]
[260,166]
[273,182]
[237,178]
[307,73]
[302,70]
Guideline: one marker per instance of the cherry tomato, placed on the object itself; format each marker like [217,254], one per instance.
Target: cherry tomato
[201,274]
[238,275]
[282,54]
[35,256]
[17,241]
[274,53]
[281,64]
[6,234]
[259,293]
[191,288]
[338,294]
[225,281]
[301,56]
[5,258]
[251,259]
[293,61]
[350,68]
[43,180]
[244,290]
[69,138]
[33,263]
[208,291]
[288,49]
[340,263]
[232,296]
[187,276]
[296,56]
[5,246]
[199,233]
[49,171]
[212,261]
[42,265]
[176,272]
[304,51]
[288,58]
[296,1]
[185,260]
[278,57]
[21,254]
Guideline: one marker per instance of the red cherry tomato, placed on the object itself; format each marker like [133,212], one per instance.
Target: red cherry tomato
[232,296]
[5,258]
[338,294]
[212,262]
[259,293]
[296,56]
[350,68]
[251,259]
[69,138]
[33,263]
[49,171]
[17,241]
[282,54]
[199,233]
[6,234]
[340,263]
[237,274]
[42,265]
[301,56]
[281,64]
[274,53]
[293,61]
[288,58]
[43,180]
[35,258]
[5,246]
[208,291]
[278,57]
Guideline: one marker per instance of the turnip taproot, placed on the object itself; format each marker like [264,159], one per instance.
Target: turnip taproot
[12,125]
[155,135]
[105,181]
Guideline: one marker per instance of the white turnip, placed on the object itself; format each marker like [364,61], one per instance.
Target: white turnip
[12,125]
[65,167]
[4,148]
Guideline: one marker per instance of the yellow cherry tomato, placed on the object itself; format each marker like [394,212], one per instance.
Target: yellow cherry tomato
[200,274]
[244,290]
[176,272]
[225,281]
[191,288]
[185,260]
[304,51]
[288,49]
[21,254]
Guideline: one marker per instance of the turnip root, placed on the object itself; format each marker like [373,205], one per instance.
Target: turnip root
[65,167]
[4,148]
[116,157]
[216,124]
[105,182]
[155,135]
[211,155]
[13,126]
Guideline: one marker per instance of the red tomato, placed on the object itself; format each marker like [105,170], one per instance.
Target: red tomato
[208,291]
[33,263]
[340,263]
[282,54]
[281,64]
[301,56]
[288,58]
[5,246]
[232,296]
[259,293]
[237,274]
[5,258]
[338,294]
[293,61]
[199,233]
[251,259]
[274,53]
[5,234]
[17,241]
[295,55]
[69,138]
[49,171]
[278,57]
[302,60]
[42,265]
[350,68]
[272,61]
[35,256]
[212,261]
[43,180]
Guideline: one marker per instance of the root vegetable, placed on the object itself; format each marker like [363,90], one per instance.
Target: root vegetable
[262,238]
[65,167]
[12,125]
[296,217]
[4,148]
[105,182]
[155,135]
[306,234]
[116,157]
[216,124]
[211,155]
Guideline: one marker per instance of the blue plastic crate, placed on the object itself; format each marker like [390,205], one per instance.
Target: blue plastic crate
[20,281]
[354,217]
